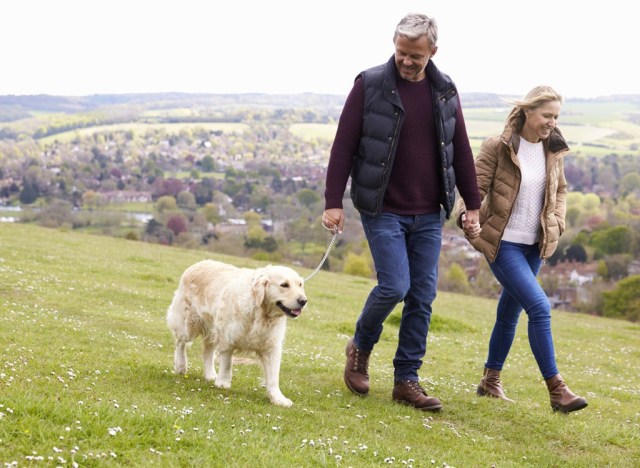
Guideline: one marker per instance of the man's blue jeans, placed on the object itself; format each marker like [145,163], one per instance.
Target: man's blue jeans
[516,267]
[405,250]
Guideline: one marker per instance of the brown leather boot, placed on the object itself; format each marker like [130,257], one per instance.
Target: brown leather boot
[409,392]
[563,399]
[356,374]
[490,385]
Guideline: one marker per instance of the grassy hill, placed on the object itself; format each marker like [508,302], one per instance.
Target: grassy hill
[86,376]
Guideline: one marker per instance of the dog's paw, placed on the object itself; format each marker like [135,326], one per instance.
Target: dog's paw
[222,383]
[281,400]
[210,377]
[180,369]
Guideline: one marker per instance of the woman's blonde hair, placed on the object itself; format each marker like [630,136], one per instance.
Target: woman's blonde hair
[534,99]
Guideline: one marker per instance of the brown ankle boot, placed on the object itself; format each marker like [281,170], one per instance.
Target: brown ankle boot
[490,385]
[563,399]
[409,392]
[356,374]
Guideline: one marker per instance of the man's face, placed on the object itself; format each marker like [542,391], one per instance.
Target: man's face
[412,56]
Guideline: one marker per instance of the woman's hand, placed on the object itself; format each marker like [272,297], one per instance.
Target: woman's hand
[471,224]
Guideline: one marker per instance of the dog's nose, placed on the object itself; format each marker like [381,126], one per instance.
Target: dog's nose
[302,302]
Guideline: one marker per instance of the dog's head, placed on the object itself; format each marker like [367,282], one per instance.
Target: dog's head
[279,289]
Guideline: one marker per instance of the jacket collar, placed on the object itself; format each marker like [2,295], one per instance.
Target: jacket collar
[554,144]
[438,80]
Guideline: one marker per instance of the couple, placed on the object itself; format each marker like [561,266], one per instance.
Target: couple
[402,139]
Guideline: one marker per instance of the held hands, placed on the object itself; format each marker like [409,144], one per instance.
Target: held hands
[333,219]
[471,224]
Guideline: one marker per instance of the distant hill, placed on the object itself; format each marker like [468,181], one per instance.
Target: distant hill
[15,107]
[19,106]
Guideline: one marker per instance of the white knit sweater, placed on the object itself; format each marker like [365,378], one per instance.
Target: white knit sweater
[524,224]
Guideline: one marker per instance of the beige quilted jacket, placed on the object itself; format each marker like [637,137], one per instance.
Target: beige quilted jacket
[498,174]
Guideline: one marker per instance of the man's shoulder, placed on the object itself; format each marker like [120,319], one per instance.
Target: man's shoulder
[378,70]
[437,77]
[378,76]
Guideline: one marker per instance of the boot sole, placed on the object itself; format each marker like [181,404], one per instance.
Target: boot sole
[354,391]
[426,408]
[483,393]
[570,409]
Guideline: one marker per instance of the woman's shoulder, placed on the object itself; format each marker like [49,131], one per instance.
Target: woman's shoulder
[491,144]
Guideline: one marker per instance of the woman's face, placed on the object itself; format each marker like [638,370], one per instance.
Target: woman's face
[540,121]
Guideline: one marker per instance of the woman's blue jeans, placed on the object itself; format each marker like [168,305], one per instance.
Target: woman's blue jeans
[516,267]
[405,250]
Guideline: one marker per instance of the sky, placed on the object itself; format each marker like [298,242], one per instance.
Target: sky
[80,47]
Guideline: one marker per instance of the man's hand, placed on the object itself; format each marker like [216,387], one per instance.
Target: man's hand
[333,219]
[471,224]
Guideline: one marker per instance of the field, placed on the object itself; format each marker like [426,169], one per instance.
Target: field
[591,128]
[86,376]
[141,128]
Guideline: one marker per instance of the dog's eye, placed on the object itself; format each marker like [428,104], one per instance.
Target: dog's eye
[284,285]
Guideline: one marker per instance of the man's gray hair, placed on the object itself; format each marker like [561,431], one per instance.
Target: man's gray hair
[415,25]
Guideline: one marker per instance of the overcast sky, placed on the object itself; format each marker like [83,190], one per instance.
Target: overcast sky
[79,47]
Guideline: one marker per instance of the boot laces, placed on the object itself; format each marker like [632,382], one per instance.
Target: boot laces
[414,385]
[360,362]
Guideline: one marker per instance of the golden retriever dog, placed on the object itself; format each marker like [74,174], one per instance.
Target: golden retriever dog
[235,309]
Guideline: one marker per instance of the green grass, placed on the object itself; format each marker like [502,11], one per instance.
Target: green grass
[86,376]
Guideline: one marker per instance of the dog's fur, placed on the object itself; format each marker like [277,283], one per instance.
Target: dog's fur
[235,309]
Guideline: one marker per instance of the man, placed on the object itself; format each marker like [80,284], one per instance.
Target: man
[402,139]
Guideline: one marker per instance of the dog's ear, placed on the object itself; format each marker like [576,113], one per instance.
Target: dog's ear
[259,288]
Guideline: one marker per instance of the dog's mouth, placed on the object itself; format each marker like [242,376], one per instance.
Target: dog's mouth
[290,312]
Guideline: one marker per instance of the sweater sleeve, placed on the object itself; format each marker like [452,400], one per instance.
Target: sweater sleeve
[463,164]
[345,146]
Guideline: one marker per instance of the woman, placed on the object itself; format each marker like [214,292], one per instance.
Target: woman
[521,180]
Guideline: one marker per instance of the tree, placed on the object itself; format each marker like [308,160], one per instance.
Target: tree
[357,265]
[455,279]
[55,214]
[613,240]
[308,197]
[186,200]
[624,300]
[255,237]
[576,253]
[591,201]
[630,183]
[203,191]
[617,266]
[155,231]
[573,213]
[211,213]
[602,269]
[166,203]
[29,192]
[208,164]
[177,224]
[253,219]
[91,199]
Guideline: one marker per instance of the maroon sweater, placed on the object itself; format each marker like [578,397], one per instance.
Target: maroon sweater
[414,183]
